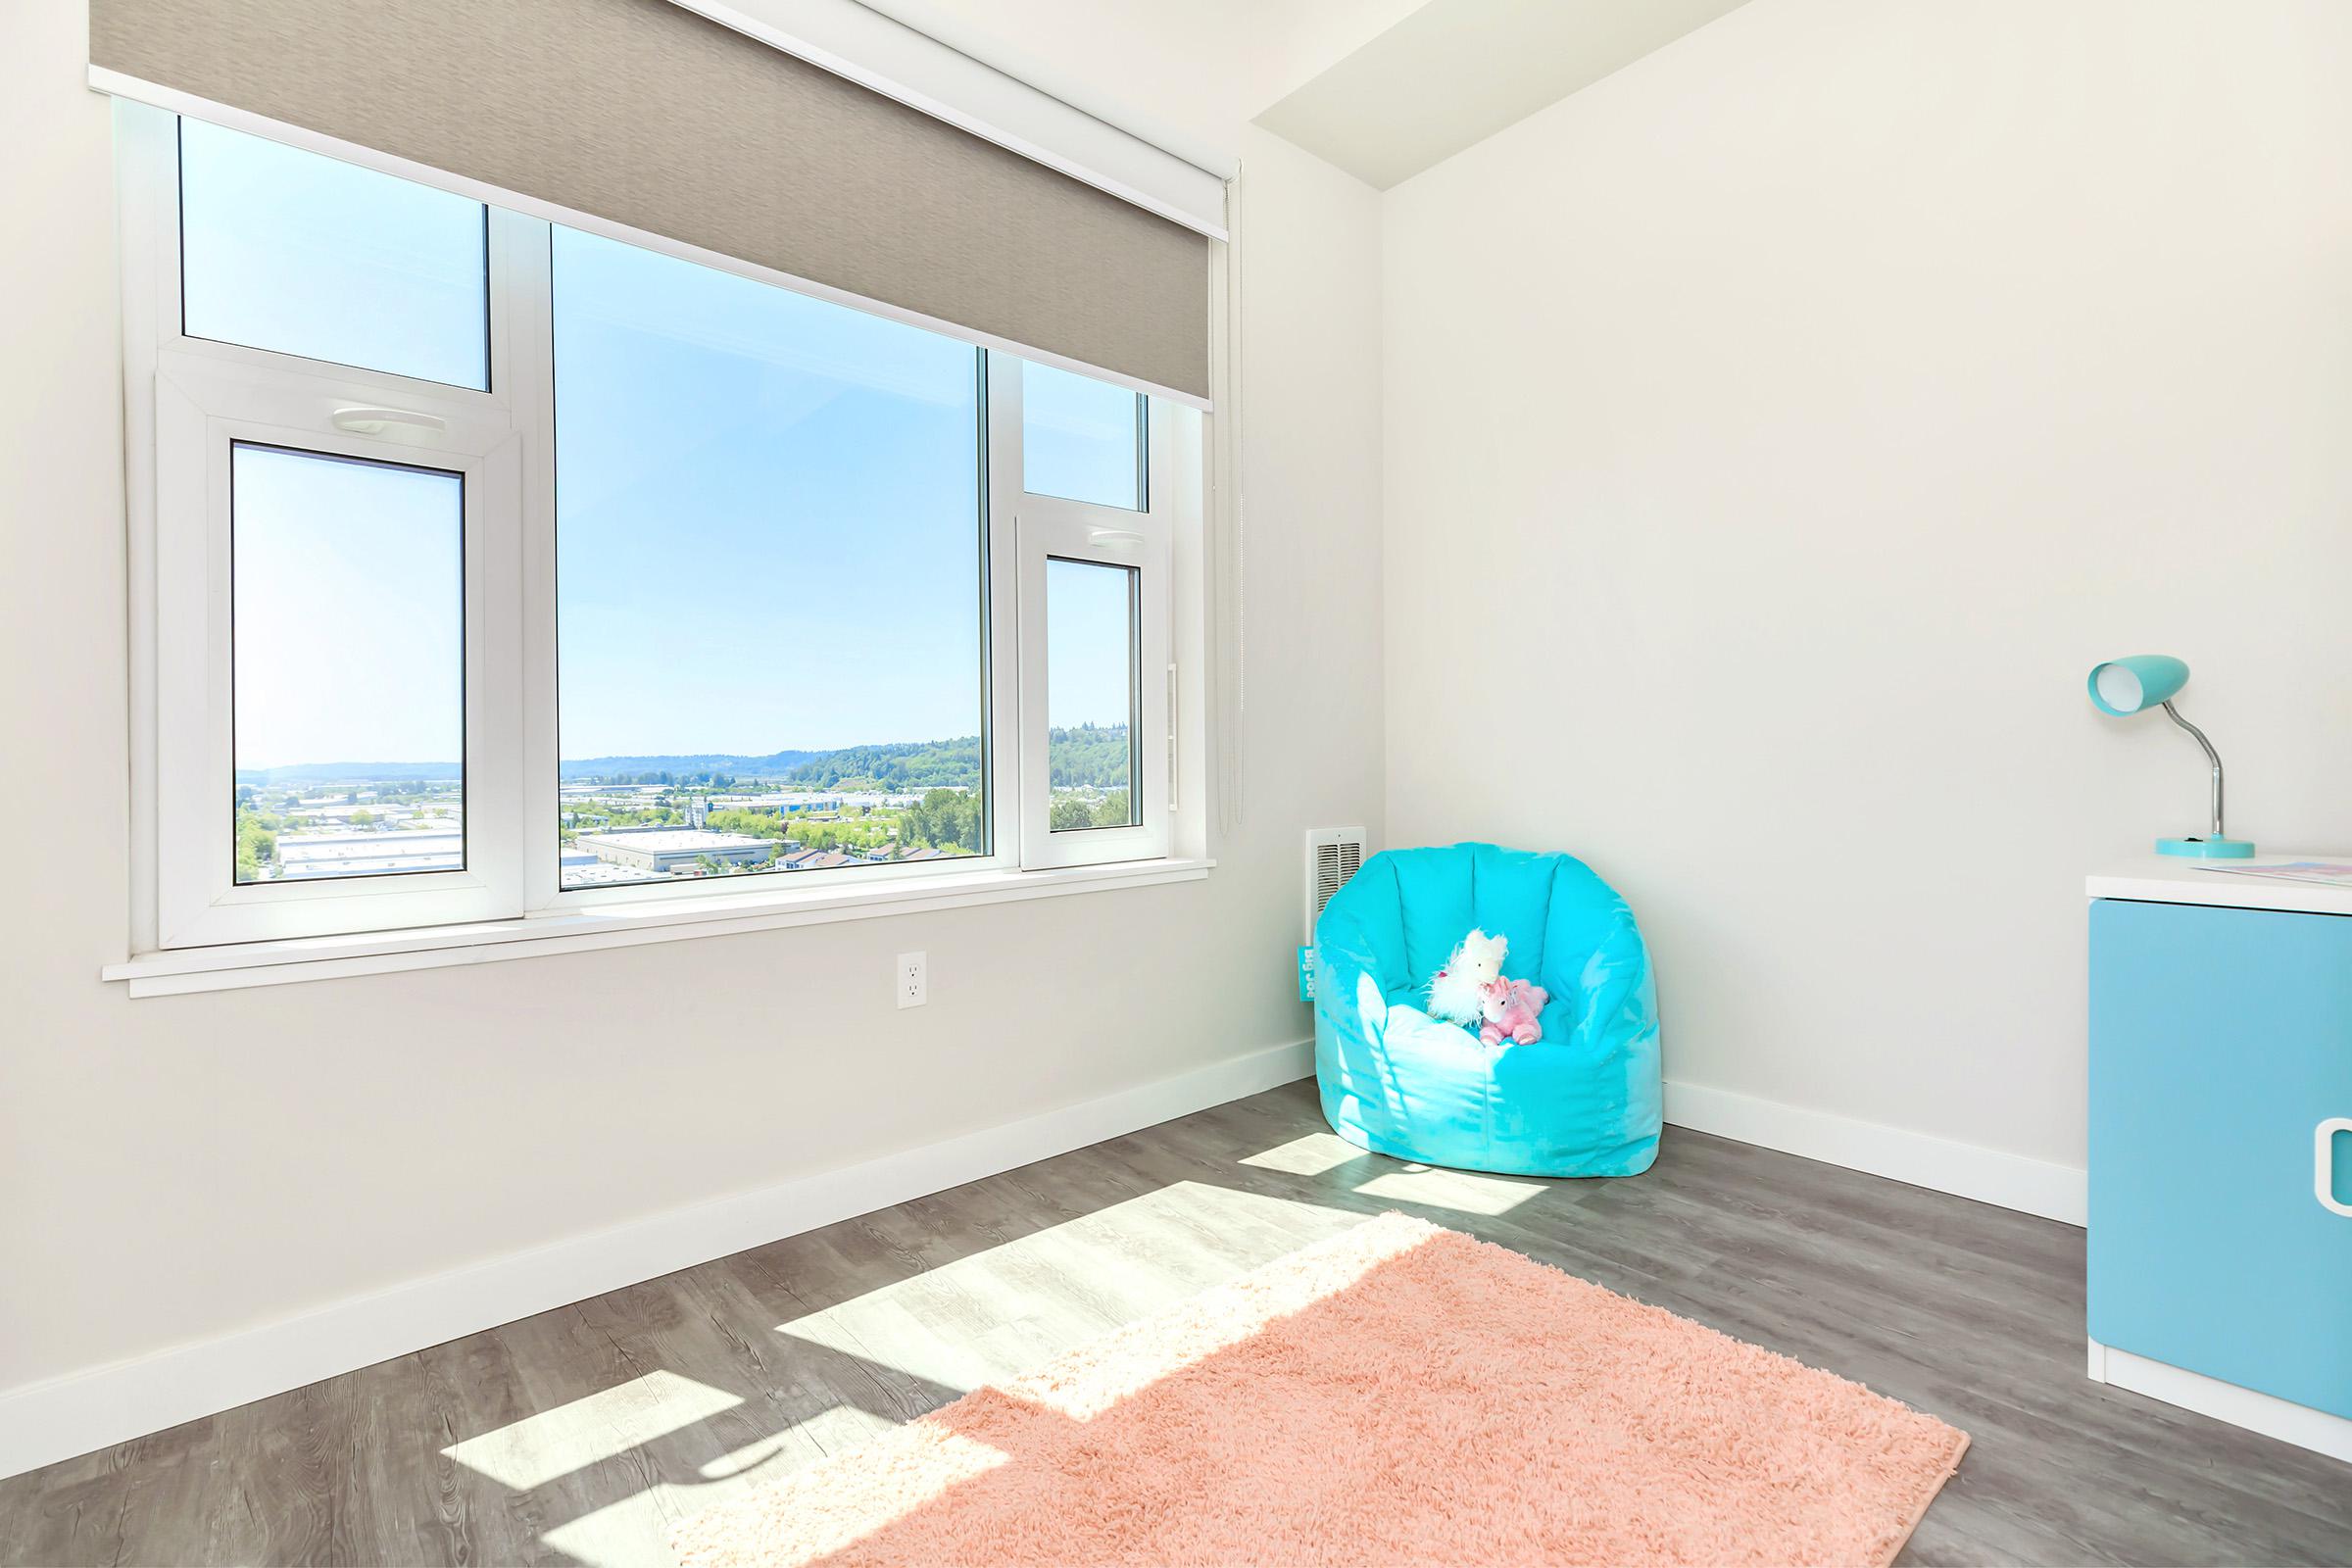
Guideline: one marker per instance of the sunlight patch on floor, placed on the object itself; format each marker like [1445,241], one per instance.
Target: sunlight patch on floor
[986,1318]
[997,1313]
[927,1461]
[634,1532]
[1118,1366]
[1311,1156]
[538,1448]
[1464,1191]
[831,1432]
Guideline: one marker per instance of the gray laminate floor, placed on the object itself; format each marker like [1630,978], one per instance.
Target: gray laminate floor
[580,1435]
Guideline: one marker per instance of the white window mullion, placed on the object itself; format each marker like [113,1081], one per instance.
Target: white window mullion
[1003,386]
[148,225]
[526,289]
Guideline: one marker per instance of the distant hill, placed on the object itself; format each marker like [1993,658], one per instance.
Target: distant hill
[1091,754]
[1079,757]
[349,773]
[684,766]
[895,766]
[1096,756]
[776,764]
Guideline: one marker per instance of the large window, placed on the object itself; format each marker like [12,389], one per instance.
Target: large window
[771,557]
[500,567]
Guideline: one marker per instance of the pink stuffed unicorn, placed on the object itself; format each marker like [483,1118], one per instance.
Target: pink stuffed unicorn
[1511,1009]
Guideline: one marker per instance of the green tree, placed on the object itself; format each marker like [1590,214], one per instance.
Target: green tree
[1090,756]
[1068,811]
[256,846]
[1112,811]
[899,765]
[943,819]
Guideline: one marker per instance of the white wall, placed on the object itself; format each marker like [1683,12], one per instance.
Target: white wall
[175,1168]
[1778,431]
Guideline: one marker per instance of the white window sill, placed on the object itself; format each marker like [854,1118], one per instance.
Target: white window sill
[613,925]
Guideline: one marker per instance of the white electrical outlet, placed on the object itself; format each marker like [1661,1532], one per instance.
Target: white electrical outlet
[913,980]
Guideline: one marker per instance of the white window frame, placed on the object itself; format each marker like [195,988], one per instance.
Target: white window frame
[188,399]
[204,409]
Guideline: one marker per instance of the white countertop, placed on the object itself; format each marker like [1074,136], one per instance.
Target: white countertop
[2169,879]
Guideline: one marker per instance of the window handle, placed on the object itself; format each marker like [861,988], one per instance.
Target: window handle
[2322,1164]
[1113,538]
[375,421]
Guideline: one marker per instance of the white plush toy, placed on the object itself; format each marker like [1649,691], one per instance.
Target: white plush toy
[1457,992]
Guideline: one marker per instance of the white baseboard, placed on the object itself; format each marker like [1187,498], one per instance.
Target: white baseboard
[43,1422]
[1968,1170]
[2266,1413]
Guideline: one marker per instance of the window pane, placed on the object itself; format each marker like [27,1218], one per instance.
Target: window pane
[285,250]
[1090,694]
[769,597]
[1081,438]
[349,652]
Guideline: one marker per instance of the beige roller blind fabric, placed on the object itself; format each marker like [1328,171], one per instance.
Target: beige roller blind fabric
[644,114]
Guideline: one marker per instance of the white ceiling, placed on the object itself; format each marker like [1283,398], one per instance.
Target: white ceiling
[1382,88]
[1455,72]
[1186,76]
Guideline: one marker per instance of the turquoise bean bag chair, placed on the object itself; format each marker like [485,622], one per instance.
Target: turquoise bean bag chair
[1584,1100]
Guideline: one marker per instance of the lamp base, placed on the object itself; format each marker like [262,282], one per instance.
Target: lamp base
[2207,849]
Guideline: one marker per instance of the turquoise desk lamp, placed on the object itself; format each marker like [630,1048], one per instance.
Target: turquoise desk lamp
[2121,687]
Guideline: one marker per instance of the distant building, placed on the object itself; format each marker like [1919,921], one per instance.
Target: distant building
[826,861]
[793,805]
[782,803]
[669,849]
[597,874]
[303,857]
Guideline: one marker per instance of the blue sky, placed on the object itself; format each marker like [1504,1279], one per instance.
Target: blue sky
[277,244]
[768,514]
[1090,649]
[768,507]
[350,636]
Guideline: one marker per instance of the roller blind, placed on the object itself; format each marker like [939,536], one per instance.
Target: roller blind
[642,113]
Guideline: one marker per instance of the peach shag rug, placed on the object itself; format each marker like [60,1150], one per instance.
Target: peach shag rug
[1398,1395]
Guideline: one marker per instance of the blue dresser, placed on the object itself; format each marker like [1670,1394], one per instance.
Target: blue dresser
[2221,1147]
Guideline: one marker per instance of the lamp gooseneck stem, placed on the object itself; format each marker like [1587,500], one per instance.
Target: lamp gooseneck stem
[2211,756]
